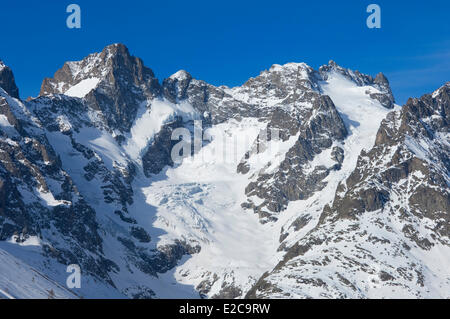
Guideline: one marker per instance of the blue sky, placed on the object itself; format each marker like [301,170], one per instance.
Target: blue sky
[226,42]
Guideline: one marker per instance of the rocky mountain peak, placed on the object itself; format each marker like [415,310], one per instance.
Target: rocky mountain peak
[428,104]
[332,65]
[280,85]
[7,81]
[287,74]
[380,83]
[175,87]
[112,81]
[381,79]
[181,75]
[427,115]
[443,93]
[113,64]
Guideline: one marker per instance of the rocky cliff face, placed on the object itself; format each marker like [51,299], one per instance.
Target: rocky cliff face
[309,183]
[7,81]
[112,81]
[39,199]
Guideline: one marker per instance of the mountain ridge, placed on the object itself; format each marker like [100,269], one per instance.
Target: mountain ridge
[96,146]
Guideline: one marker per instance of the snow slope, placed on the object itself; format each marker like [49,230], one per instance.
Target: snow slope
[20,281]
[83,88]
[149,121]
[200,201]
[362,117]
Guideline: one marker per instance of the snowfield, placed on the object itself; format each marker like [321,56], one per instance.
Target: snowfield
[83,88]
[20,281]
[200,201]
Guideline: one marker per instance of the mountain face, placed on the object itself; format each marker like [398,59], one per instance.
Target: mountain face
[388,225]
[300,183]
[7,81]
[109,81]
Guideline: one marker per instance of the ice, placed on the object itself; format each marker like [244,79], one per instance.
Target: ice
[213,216]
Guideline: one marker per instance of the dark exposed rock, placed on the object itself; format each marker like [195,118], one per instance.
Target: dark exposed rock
[140,234]
[316,132]
[419,119]
[7,81]
[228,292]
[158,154]
[29,167]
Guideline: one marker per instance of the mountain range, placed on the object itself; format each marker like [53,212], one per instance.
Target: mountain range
[304,183]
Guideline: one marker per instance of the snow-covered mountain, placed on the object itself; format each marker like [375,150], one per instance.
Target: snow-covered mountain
[299,183]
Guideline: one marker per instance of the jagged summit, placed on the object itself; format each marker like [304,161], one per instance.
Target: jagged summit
[180,75]
[383,91]
[7,81]
[100,76]
[381,79]
[114,60]
[111,81]
[290,65]
[442,89]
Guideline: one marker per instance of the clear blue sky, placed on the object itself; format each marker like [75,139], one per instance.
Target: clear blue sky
[226,42]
